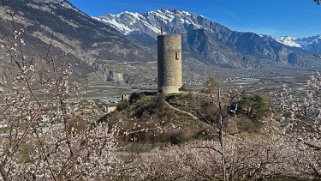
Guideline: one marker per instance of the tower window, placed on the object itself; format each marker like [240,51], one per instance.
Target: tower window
[177,55]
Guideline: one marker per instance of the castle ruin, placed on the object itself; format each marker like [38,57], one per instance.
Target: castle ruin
[169,63]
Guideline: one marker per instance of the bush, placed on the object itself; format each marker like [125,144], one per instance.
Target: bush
[254,106]
[122,105]
[184,88]
[134,97]
[210,86]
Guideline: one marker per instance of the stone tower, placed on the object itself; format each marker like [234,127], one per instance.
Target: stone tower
[169,63]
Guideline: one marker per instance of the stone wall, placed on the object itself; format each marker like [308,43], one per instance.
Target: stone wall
[169,63]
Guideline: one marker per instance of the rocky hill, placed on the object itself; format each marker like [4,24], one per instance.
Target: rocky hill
[206,40]
[148,117]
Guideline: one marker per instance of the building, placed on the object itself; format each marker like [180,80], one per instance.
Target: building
[169,63]
[125,97]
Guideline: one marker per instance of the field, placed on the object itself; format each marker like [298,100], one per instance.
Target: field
[254,80]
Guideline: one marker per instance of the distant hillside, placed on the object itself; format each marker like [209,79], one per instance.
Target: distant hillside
[125,44]
[206,40]
[87,41]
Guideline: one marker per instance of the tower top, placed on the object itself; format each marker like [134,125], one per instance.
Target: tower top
[162,31]
[169,41]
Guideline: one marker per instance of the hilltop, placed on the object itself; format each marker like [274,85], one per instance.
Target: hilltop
[152,118]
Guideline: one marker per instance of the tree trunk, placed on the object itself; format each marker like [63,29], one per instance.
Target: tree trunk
[3,173]
[221,132]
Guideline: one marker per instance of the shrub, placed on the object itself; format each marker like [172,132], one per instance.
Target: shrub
[184,88]
[122,105]
[210,86]
[254,106]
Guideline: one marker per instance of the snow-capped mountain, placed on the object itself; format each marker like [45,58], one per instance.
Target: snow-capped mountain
[288,41]
[205,39]
[150,22]
[312,43]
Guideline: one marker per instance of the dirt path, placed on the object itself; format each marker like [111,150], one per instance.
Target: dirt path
[181,111]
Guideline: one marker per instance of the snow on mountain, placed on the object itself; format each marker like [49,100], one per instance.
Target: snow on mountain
[177,21]
[289,41]
[133,22]
[312,43]
[204,39]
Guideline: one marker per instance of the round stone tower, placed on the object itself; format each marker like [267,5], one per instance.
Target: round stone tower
[169,63]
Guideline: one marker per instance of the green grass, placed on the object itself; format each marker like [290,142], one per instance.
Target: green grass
[25,151]
[4,129]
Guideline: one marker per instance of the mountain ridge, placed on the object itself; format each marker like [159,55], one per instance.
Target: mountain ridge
[235,48]
[63,27]
[311,43]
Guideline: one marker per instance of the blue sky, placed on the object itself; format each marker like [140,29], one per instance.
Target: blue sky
[298,18]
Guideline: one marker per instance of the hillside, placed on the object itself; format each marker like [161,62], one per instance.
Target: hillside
[124,45]
[151,118]
[68,30]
